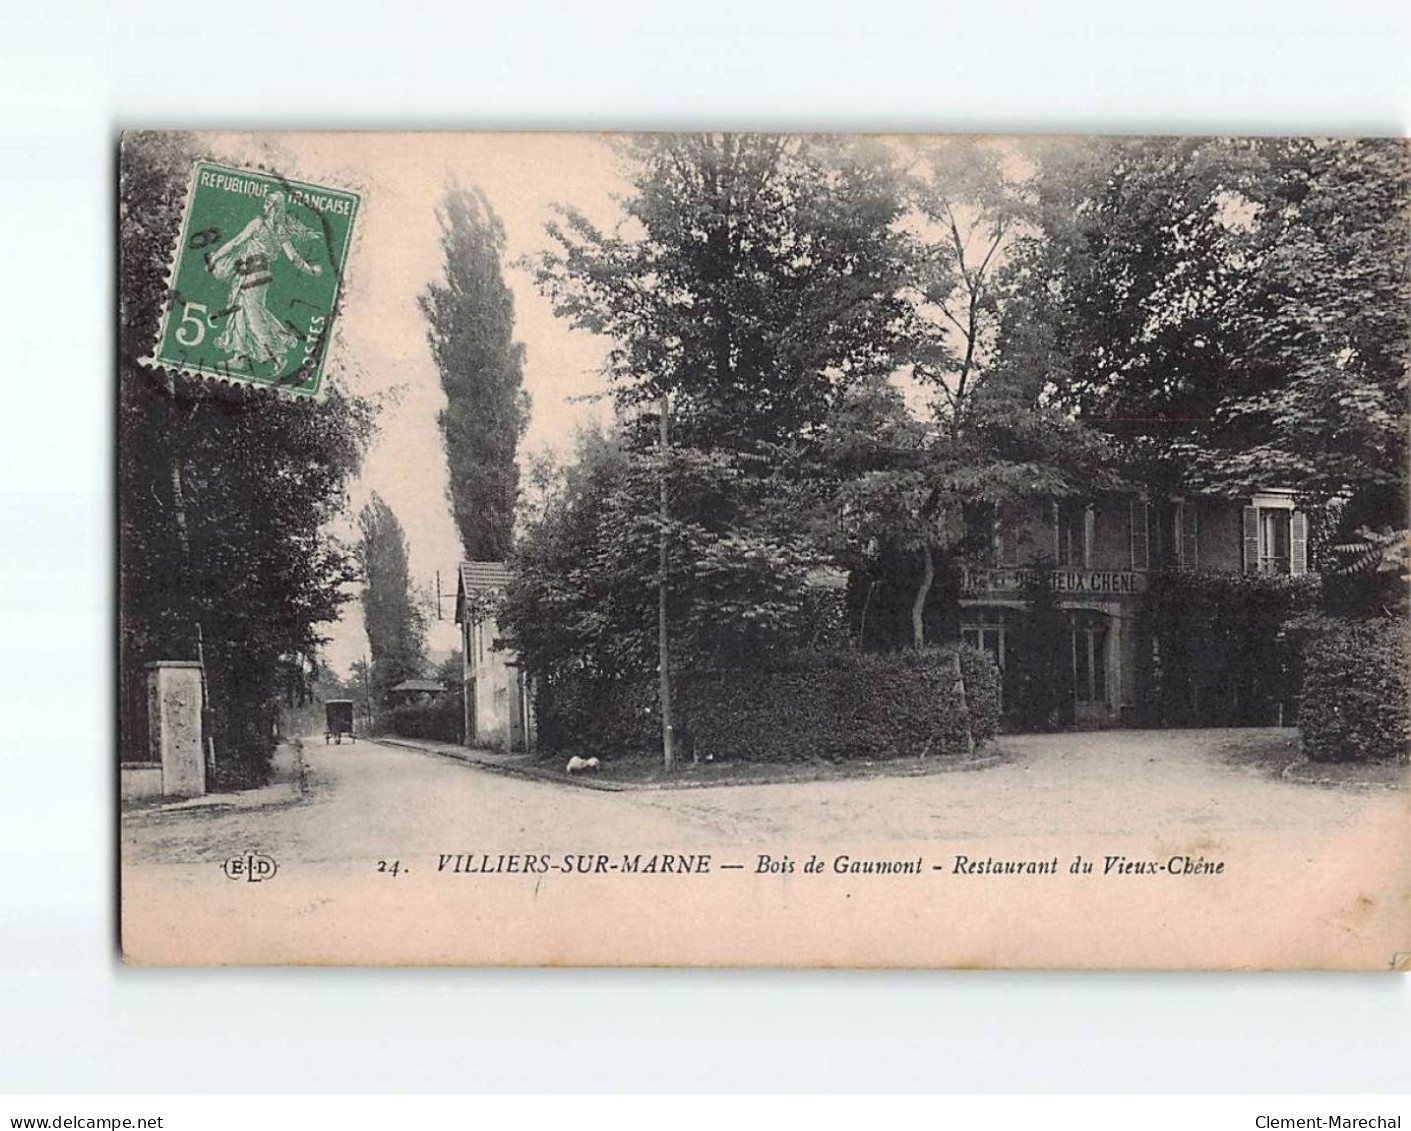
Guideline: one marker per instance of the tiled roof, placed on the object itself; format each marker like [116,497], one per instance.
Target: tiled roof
[825,577]
[420,685]
[484,575]
[478,577]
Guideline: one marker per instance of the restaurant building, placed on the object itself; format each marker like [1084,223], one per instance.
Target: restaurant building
[1099,556]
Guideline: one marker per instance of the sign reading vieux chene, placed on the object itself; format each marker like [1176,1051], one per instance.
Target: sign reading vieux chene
[1061,580]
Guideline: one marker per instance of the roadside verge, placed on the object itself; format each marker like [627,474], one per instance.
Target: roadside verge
[695,775]
[285,787]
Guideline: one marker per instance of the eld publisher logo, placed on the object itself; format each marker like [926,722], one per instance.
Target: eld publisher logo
[252,867]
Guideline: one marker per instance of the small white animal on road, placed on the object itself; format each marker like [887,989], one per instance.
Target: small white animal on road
[577,764]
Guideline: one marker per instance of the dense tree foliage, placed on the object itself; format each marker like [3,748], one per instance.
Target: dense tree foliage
[583,595]
[396,626]
[909,485]
[875,352]
[1317,398]
[470,316]
[223,499]
[1122,285]
[752,277]
[1232,310]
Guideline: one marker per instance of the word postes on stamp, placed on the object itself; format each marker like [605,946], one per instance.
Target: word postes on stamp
[255,279]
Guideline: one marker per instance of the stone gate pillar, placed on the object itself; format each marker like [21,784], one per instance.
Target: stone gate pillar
[174,725]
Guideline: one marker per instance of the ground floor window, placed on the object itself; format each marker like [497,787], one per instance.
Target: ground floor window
[987,630]
[1027,664]
[996,631]
[1274,526]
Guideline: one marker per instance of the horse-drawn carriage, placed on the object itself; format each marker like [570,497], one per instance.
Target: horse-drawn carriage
[338,714]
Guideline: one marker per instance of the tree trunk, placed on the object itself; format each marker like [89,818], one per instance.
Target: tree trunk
[862,627]
[918,639]
[963,702]
[918,606]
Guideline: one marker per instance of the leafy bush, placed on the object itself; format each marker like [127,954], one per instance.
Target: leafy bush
[1213,650]
[1356,683]
[439,720]
[841,705]
[1039,670]
[824,619]
[583,715]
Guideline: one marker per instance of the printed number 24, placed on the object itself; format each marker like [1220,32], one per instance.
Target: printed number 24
[193,337]
[391,868]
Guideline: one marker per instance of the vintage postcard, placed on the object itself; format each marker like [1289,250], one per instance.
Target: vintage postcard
[764,550]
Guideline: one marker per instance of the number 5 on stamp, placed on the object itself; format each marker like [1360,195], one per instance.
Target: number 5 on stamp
[255,279]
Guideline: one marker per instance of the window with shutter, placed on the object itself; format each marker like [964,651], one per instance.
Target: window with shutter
[1274,556]
[1139,535]
[1275,540]
[1190,535]
[1075,524]
[1298,543]
[1251,539]
[1007,535]
[1161,526]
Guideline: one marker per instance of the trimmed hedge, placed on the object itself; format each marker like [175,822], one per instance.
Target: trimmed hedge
[439,720]
[1356,690]
[841,705]
[834,704]
[598,717]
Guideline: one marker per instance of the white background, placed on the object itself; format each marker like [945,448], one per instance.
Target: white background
[72,75]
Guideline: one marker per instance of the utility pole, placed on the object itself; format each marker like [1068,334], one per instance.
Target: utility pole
[668,737]
[440,593]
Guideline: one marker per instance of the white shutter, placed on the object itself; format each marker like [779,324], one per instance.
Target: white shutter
[1298,542]
[1139,535]
[1190,535]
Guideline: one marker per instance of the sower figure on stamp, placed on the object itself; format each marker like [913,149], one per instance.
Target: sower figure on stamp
[253,332]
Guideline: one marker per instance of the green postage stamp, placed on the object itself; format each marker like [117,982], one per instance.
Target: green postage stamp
[255,279]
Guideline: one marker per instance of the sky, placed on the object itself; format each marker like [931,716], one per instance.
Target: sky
[380,346]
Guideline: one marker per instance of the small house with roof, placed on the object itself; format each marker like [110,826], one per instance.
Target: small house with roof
[499,704]
[411,692]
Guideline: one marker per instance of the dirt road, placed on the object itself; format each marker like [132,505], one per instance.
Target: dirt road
[503,869]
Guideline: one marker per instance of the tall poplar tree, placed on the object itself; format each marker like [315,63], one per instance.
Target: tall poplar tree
[470,326]
[396,627]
